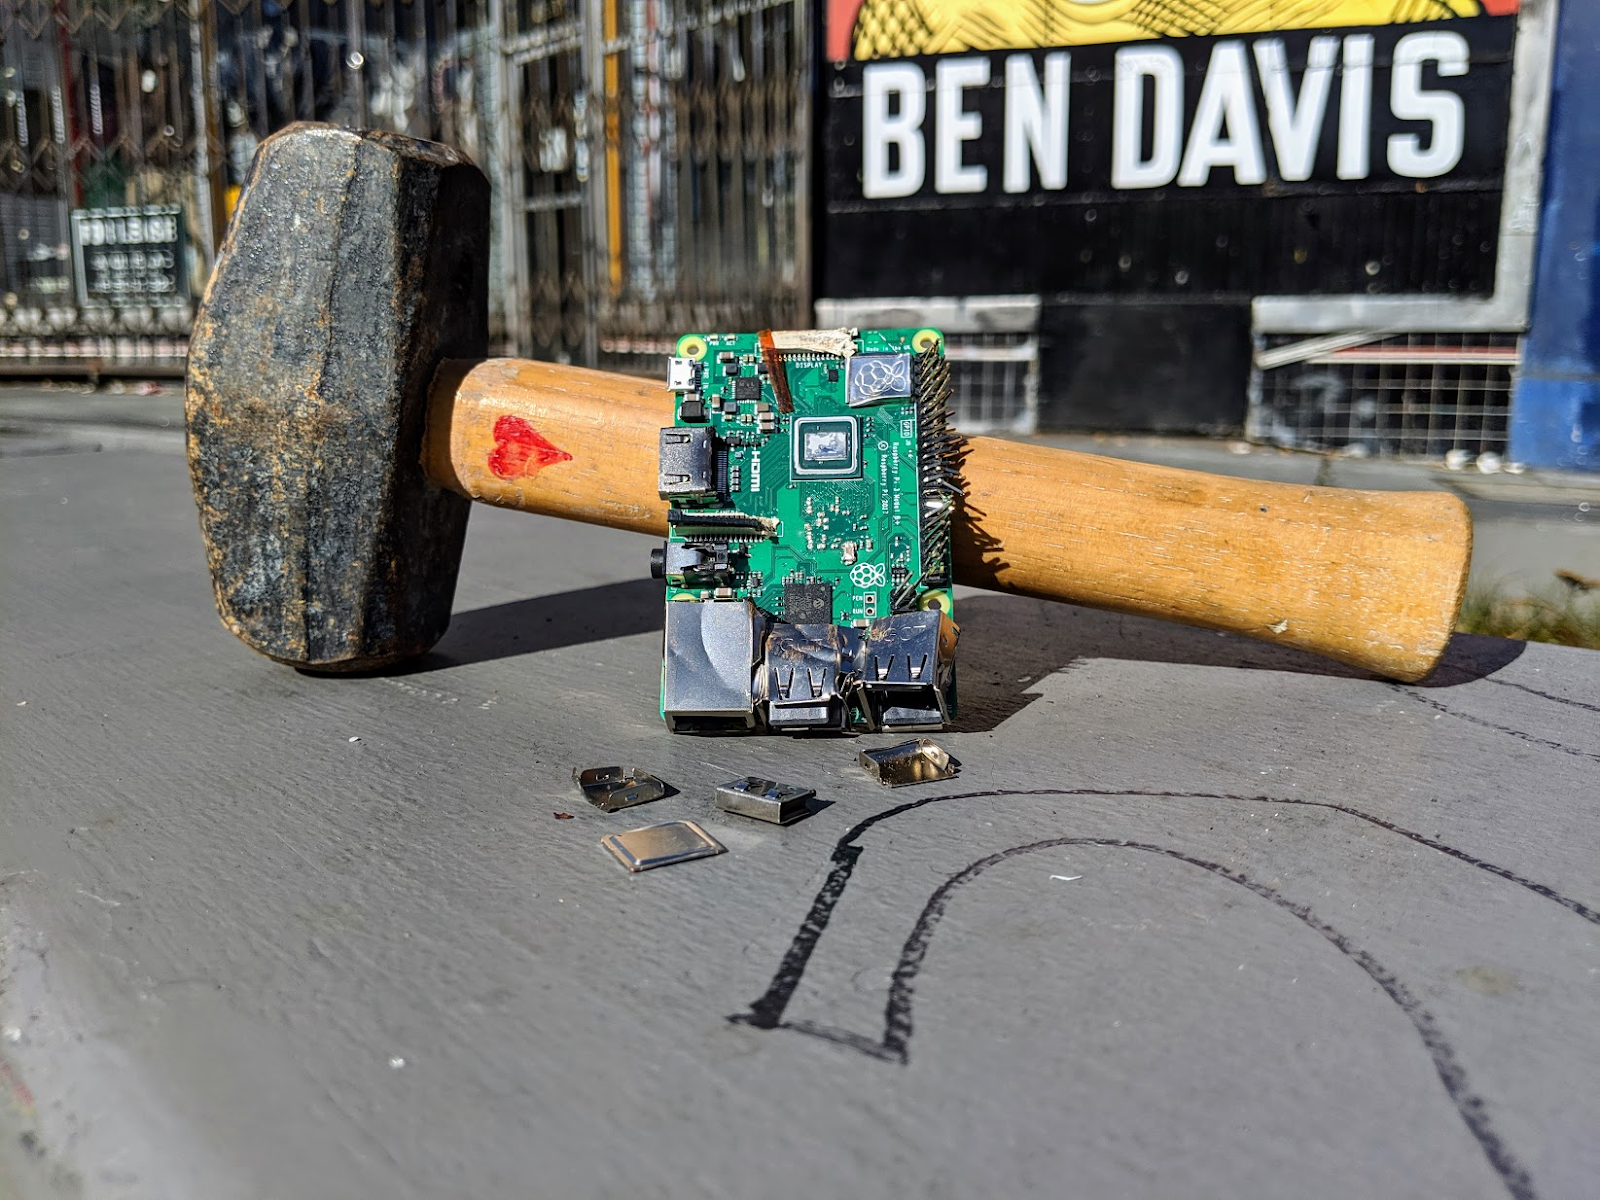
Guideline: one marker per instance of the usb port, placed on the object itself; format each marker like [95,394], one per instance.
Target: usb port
[681,374]
[907,668]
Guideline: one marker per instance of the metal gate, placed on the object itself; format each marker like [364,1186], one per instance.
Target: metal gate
[662,180]
[126,104]
[648,157]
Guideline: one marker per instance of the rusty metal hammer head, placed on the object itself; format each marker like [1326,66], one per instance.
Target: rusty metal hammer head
[355,263]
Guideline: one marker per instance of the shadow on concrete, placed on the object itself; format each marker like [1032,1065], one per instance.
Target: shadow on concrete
[575,618]
[1470,657]
[1008,643]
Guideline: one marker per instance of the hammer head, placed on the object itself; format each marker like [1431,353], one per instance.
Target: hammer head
[355,263]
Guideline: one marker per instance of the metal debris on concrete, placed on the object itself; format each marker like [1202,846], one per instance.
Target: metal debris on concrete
[780,803]
[917,761]
[661,845]
[561,816]
[611,788]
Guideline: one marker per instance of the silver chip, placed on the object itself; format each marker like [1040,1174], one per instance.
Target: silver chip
[919,761]
[613,788]
[661,845]
[828,445]
[869,378]
[779,803]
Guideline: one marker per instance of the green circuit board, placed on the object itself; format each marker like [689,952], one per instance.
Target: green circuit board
[809,474]
[838,484]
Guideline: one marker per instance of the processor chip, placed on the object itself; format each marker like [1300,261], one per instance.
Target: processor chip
[808,603]
[826,447]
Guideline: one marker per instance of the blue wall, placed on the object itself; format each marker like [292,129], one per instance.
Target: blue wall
[1555,414]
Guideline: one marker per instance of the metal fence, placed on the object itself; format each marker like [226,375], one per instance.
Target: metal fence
[996,380]
[1414,395]
[647,158]
[661,184]
[992,343]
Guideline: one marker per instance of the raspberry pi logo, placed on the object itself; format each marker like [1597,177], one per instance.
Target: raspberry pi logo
[869,575]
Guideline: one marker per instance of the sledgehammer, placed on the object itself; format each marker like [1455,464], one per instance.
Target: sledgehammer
[342,413]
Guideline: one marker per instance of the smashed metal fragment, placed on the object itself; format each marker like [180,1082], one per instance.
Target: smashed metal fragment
[706,686]
[918,761]
[661,845]
[611,788]
[780,803]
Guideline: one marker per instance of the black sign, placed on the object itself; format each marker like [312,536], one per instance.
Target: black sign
[130,255]
[1300,161]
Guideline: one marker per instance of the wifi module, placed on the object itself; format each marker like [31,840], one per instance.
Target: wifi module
[811,479]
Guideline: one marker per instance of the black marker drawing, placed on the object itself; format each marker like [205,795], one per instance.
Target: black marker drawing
[894,1042]
[1519,734]
[1533,691]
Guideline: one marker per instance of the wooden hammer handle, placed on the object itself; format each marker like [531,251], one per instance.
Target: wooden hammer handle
[1373,579]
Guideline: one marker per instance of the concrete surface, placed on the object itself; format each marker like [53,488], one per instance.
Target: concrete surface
[1199,918]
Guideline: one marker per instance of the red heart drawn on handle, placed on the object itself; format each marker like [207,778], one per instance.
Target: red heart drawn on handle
[521,451]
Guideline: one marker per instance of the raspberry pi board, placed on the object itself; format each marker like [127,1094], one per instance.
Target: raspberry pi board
[811,479]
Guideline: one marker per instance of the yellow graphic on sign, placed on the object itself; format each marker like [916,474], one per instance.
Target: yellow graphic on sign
[901,28]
